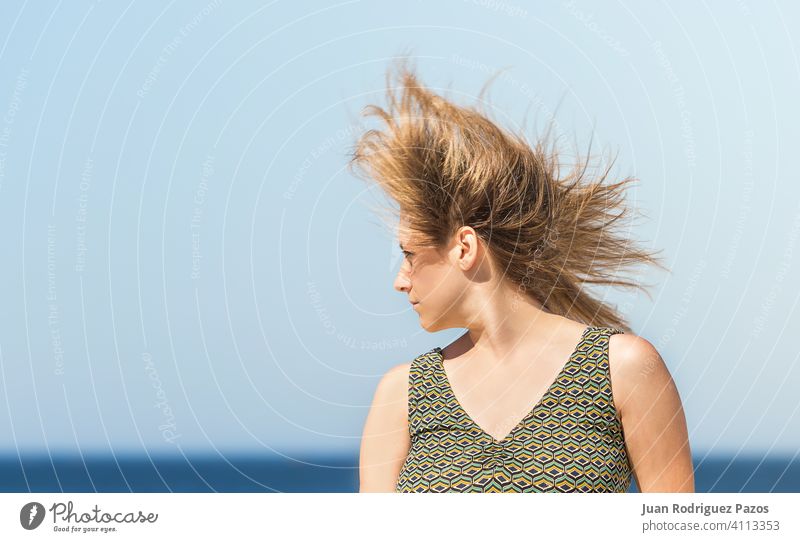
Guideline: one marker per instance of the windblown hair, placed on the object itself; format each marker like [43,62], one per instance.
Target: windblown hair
[447,166]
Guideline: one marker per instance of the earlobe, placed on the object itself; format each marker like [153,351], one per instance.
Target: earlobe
[467,260]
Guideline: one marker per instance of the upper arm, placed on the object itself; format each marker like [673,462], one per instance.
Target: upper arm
[385,442]
[652,416]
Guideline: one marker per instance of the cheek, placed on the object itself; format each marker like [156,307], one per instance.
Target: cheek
[451,292]
[439,286]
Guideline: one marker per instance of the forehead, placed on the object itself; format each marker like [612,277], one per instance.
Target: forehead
[404,243]
[404,233]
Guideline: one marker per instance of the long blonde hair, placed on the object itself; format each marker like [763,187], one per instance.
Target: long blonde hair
[447,165]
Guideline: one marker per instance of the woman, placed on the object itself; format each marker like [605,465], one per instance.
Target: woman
[495,241]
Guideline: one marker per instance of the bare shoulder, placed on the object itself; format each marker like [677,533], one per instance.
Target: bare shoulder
[390,400]
[635,366]
[385,441]
[394,383]
[399,371]
[628,349]
[652,416]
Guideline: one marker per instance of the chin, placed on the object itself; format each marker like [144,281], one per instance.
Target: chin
[430,327]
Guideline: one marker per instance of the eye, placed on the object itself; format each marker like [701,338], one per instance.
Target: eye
[408,255]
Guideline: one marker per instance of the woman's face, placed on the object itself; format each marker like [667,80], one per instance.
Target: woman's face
[433,280]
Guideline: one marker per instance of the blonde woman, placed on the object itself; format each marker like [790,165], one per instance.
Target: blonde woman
[548,390]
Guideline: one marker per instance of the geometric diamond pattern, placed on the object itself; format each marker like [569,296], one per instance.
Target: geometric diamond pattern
[572,440]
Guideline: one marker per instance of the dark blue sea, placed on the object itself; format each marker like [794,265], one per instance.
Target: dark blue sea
[324,474]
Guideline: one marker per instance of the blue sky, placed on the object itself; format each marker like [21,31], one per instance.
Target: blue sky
[190,267]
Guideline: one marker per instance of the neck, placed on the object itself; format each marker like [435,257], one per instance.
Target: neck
[502,323]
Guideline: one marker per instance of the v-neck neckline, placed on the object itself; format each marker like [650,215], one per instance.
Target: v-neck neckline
[548,391]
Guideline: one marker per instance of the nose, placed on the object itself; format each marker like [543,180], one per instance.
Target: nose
[401,282]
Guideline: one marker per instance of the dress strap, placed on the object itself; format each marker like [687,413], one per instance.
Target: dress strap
[610,330]
[421,385]
[601,368]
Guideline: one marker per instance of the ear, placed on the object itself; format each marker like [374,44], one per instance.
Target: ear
[468,246]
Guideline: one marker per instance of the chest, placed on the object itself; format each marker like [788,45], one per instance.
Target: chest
[570,440]
[499,399]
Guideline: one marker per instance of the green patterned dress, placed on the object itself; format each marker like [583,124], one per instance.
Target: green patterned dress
[571,441]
